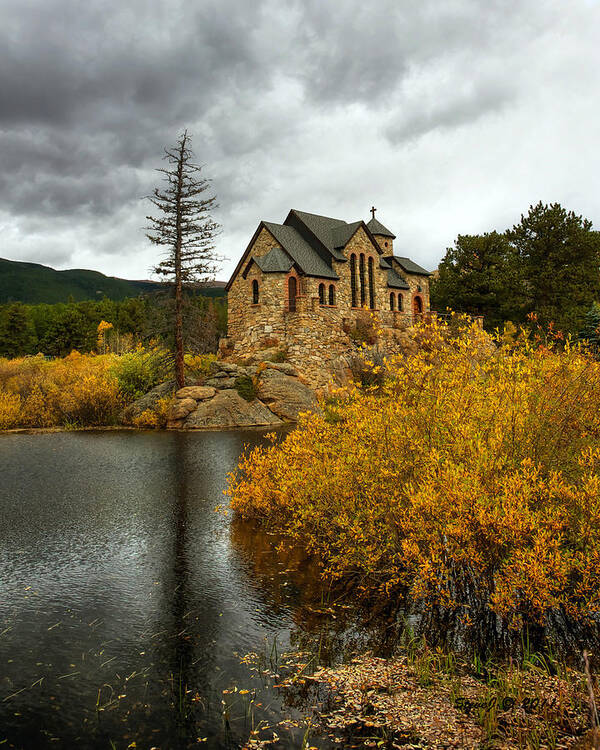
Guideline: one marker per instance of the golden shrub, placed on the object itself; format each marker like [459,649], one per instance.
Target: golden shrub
[10,410]
[154,418]
[37,410]
[199,365]
[78,389]
[469,477]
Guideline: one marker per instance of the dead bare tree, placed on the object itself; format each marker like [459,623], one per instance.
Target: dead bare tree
[187,231]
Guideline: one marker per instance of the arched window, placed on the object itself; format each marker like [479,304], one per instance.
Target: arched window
[292,293]
[371,284]
[361,269]
[255,292]
[331,294]
[400,302]
[353,279]
[392,301]
[321,294]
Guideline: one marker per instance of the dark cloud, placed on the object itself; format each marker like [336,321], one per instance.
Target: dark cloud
[321,105]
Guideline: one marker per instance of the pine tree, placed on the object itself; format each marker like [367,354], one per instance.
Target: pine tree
[477,276]
[17,334]
[559,260]
[590,331]
[187,231]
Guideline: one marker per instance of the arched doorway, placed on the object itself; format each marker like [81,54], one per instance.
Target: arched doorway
[292,293]
[417,305]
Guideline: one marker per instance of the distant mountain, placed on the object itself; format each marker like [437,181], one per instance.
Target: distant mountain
[34,283]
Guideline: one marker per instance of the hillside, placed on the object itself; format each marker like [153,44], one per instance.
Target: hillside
[33,283]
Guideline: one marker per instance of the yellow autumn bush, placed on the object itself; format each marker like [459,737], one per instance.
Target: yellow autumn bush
[76,390]
[157,417]
[468,480]
[10,410]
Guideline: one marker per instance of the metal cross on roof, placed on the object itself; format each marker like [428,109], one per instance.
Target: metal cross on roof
[373,209]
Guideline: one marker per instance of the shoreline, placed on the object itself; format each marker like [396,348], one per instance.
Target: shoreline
[428,699]
[131,428]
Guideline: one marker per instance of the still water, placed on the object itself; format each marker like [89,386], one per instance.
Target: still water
[127,602]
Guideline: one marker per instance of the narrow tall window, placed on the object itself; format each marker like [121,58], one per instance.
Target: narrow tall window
[255,292]
[353,279]
[371,285]
[392,301]
[292,293]
[321,294]
[400,302]
[363,290]
[331,295]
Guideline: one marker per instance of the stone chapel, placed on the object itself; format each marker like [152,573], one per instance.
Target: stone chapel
[301,285]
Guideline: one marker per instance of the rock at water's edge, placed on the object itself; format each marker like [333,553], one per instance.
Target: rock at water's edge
[229,409]
[181,408]
[286,396]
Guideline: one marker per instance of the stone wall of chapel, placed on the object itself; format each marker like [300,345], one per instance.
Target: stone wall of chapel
[414,283]
[245,320]
[385,243]
[360,243]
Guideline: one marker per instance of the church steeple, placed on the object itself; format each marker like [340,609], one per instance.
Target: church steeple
[382,234]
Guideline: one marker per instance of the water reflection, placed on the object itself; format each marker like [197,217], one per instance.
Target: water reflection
[124,598]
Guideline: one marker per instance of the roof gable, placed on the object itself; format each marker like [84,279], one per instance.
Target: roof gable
[275,261]
[328,235]
[376,227]
[409,266]
[305,256]
[317,231]
[396,281]
[341,236]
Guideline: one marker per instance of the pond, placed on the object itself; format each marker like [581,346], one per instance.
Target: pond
[127,603]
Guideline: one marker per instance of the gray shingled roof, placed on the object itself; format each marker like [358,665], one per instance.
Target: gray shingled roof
[396,281]
[307,259]
[310,256]
[376,227]
[323,228]
[409,266]
[275,261]
[342,235]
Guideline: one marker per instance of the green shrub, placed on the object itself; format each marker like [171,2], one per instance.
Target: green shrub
[244,385]
[198,366]
[138,372]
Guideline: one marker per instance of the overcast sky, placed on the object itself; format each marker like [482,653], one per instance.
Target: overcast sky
[450,116]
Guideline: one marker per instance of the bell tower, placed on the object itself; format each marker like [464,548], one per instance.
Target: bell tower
[383,236]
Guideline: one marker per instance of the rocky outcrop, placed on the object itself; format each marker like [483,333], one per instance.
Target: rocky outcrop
[196,392]
[181,408]
[284,394]
[229,409]
[233,395]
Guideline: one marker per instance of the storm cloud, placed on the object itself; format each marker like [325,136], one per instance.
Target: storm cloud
[449,117]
